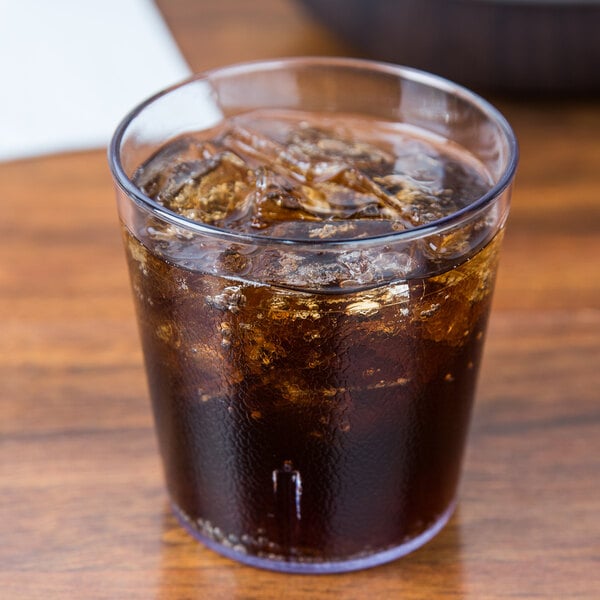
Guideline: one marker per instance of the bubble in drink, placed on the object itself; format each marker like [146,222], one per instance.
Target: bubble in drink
[312,407]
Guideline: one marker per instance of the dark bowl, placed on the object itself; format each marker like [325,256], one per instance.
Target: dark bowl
[508,45]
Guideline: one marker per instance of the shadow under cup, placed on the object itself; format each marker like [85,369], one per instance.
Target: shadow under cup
[312,395]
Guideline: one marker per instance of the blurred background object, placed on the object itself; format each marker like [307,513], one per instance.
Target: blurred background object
[502,45]
[71,70]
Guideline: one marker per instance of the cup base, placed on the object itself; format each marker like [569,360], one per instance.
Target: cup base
[334,566]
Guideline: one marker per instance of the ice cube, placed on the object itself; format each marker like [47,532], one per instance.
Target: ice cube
[198,180]
[277,198]
[230,299]
[150,177]
[327,149]
[305,173]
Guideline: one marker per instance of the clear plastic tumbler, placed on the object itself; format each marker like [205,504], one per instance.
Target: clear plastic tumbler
[312,246]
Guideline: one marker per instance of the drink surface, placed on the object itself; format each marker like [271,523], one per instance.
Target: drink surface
[311,407]
[281,173]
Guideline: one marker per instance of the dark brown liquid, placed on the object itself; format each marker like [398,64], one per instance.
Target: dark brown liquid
[371,410]
[305,426]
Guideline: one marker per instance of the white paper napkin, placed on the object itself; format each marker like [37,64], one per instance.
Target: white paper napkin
[71,69]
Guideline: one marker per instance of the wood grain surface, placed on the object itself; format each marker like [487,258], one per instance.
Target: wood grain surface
[83,510]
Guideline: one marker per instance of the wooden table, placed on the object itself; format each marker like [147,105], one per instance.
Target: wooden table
[83,511]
